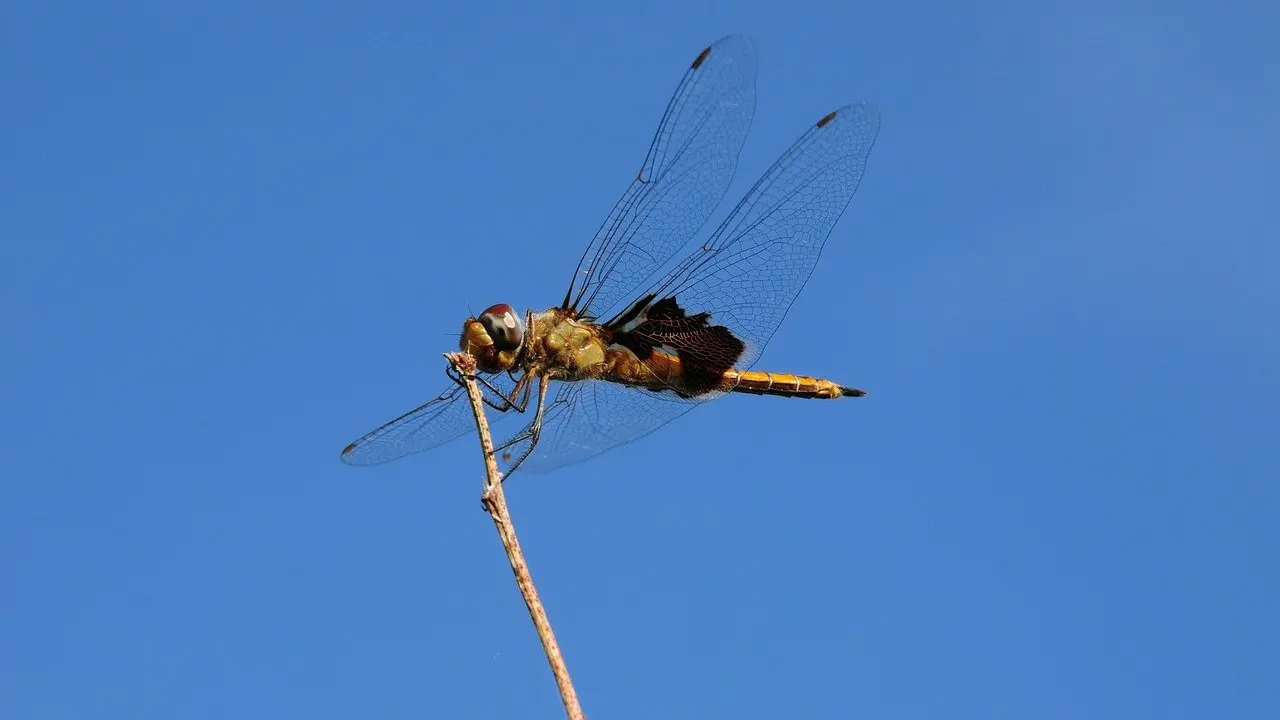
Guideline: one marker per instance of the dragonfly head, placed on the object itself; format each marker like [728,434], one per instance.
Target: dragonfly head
[493,338]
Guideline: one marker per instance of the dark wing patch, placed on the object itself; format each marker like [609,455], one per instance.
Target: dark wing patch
[705,350]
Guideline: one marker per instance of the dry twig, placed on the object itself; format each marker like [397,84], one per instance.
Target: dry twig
[496,504]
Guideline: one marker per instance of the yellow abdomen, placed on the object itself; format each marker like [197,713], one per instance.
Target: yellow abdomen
[757,382]
[663,370]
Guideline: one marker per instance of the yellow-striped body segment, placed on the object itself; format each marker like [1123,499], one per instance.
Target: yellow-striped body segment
[757,382]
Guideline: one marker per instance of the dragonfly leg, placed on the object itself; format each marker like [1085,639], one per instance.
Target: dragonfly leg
[522,391]
[503,403]
[518,399]
[533,432]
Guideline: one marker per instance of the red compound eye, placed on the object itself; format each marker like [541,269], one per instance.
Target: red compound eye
[503,325]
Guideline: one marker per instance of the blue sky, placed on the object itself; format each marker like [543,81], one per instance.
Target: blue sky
[238,235]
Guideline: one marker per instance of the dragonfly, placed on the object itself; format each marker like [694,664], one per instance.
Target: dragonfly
[646,333]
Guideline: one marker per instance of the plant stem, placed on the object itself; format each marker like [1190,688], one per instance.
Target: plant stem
[496,505]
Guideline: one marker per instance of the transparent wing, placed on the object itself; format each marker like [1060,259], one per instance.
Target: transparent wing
[429,425]
[587,418]
[685,175]
[747,275]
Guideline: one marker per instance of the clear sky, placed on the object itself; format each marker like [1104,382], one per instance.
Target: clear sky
[235,236]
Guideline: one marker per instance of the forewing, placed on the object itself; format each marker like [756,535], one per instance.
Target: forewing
[688,169]
[429,425]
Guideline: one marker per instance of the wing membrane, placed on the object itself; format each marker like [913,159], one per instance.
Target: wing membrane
[685,175]
[748,274]
[429,425]
[588,418]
